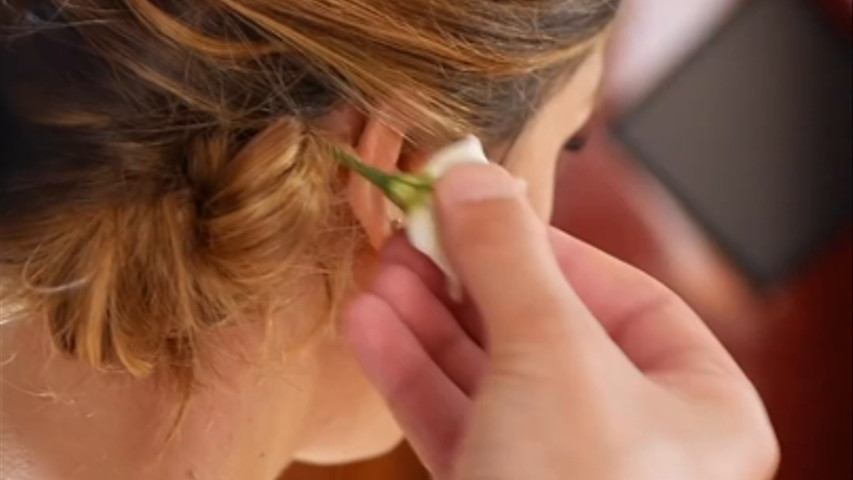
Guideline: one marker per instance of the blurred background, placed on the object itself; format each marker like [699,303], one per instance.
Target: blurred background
[720,163]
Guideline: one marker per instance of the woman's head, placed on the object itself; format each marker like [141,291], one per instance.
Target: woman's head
[169,166]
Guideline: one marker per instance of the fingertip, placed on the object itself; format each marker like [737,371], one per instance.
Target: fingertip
[393,283]
[400,285]
[365,321]
[481,209]
[474,183]
[398,251]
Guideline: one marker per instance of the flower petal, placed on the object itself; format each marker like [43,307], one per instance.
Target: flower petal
[421,228]
[467,150]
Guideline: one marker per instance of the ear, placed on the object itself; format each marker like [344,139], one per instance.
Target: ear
[379,145]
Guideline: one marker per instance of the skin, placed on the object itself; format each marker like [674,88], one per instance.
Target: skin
[255,413]
[562,362]
[581,367]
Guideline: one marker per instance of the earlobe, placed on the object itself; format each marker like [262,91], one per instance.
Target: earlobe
[380,145]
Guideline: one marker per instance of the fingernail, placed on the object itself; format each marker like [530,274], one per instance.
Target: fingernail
[478,183]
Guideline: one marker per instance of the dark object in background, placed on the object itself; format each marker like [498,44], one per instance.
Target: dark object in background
[753,134]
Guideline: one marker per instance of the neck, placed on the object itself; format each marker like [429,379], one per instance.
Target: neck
[63,419]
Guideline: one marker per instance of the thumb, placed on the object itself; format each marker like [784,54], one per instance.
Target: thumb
[500,249]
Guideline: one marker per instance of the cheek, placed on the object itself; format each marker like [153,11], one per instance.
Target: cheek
[538,169]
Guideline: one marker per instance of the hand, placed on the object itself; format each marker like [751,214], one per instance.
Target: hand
[564,364]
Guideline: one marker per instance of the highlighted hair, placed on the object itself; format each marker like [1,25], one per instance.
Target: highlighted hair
[164,175]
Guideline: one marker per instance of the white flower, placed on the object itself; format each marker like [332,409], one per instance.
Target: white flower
[420,218]
[412,193]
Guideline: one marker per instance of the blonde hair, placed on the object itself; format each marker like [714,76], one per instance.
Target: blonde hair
[167,177]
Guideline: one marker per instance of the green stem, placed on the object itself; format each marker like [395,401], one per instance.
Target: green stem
[404,190]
